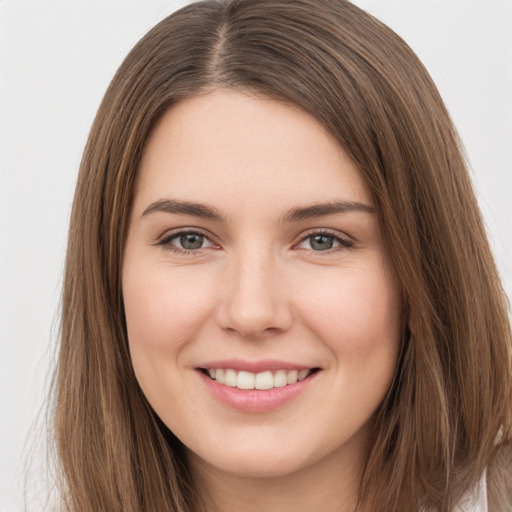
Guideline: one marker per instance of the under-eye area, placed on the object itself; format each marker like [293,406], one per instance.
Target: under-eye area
[263,380]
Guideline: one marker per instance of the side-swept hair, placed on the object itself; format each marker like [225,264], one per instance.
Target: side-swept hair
[448,414]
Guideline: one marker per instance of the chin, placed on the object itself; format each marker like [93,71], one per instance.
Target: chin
[243,467]
[264,460]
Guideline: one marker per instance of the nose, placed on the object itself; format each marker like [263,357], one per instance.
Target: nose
[254,299]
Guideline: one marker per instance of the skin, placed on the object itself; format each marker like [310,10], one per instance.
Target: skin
[258,288]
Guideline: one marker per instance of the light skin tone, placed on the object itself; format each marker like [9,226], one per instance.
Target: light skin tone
[253,238]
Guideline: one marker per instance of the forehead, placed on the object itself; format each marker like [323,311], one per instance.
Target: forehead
[228,145]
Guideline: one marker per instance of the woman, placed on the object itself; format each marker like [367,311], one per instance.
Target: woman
[278,293]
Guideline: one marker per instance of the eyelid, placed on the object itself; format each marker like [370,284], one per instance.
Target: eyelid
[165,239]
[345,242]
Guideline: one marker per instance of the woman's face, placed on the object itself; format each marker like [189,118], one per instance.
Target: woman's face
[254,260]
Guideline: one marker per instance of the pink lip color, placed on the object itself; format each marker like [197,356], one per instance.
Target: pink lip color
[255,400]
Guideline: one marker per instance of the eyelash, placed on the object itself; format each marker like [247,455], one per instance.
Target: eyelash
[344,243]
[166,240]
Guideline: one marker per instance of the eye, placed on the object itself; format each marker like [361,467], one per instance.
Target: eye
[186,241]
[324,241]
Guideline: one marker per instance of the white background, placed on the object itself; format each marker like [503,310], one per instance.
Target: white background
[56,59]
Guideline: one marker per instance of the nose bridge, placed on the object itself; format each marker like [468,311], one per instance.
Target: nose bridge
[255,300]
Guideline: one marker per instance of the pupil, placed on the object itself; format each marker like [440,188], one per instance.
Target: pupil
[321,242]
[191,241]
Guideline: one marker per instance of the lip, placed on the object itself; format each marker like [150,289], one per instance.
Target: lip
[255,400]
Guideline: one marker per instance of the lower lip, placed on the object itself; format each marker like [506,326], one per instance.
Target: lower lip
[255,400]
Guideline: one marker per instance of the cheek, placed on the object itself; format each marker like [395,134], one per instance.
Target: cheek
[356,313]
[164,310]
[163,313]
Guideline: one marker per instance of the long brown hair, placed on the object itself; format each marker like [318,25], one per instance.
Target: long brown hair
[448,415]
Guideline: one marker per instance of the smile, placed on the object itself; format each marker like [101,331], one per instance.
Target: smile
[262,381]
[256,387]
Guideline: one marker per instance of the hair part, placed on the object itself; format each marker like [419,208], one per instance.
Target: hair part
[435,433]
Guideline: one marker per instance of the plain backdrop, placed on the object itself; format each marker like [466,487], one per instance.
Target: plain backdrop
[56,60]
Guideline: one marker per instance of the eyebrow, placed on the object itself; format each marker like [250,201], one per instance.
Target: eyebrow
[293,215]
[324,209]
[185,208]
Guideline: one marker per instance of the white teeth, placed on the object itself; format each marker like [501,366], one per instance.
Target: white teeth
[230,378]
[263,380]
[292,377]
[219,376]
[280,379]
[245,380]
[303,374]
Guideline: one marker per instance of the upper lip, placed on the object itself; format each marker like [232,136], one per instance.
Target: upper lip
[254,366]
